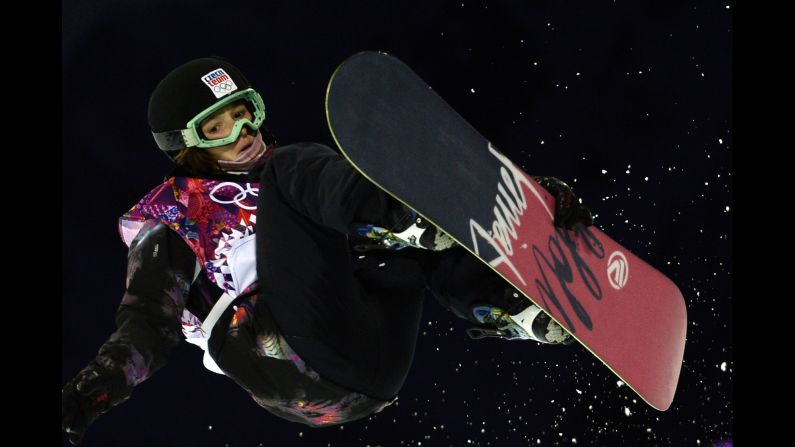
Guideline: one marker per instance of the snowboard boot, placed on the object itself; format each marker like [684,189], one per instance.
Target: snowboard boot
[407,229]
[523,321]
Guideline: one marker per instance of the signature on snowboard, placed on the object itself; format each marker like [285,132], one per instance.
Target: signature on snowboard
[510,205]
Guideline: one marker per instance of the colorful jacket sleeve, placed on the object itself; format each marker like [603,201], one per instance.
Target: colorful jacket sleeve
[160,269]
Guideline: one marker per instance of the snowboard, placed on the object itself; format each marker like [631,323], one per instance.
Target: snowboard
[399,134]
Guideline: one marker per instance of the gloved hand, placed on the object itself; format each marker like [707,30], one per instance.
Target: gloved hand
[91,393]
[569,210]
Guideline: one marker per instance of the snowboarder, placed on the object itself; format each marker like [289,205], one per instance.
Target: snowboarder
[317,316]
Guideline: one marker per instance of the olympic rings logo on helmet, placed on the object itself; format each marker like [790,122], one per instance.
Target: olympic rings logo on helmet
[222,86]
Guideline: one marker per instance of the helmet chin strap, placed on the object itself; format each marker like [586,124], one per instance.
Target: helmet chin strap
[247,158]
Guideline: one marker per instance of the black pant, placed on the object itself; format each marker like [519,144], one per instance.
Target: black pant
[353,318]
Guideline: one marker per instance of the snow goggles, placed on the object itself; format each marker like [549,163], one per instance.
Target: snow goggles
[192,135]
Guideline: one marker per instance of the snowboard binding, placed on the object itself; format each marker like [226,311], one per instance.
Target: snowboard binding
[409,230]
[529,323]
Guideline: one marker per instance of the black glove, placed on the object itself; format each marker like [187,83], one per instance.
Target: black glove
[91,393]
[569,211]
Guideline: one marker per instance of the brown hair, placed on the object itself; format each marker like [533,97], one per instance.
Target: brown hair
[197,160]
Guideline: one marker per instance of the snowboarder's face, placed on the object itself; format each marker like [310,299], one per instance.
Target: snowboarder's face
[220,124]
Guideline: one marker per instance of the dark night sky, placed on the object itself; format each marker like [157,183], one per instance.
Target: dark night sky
[630,102]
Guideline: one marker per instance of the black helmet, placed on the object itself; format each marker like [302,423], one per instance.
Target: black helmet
[192,92]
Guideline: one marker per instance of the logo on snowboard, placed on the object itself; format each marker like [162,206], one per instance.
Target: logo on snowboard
[617,270]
